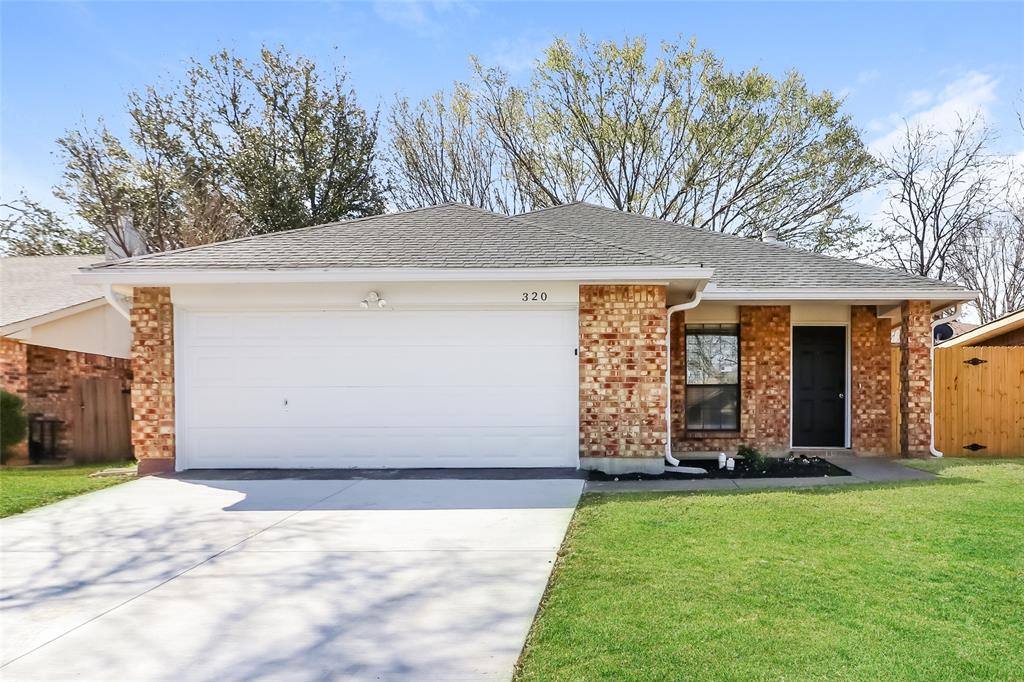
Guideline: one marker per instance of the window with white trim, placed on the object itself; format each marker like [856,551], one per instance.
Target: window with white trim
[712,377]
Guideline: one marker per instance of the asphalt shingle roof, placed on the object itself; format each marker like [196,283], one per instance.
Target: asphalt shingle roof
[446,236]
[31,286]
[573,235]
[739,262]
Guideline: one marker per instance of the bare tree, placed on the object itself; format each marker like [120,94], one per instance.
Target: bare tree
[991,262]
[439,153]
[944,185]
[674,136]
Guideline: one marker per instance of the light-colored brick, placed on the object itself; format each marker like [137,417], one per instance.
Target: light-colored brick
[622,370]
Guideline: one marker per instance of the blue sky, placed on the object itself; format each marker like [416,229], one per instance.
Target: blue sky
[68,61]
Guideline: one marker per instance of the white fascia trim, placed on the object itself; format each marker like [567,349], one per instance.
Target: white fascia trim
[837,294]
[166,277]
[21,325]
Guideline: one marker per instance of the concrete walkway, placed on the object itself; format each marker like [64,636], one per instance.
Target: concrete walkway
[185,580]
[862,470]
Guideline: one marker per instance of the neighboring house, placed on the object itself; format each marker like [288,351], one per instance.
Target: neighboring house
[1007,330]
[573,336]
[56,336]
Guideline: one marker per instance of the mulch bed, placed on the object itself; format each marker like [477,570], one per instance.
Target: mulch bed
[800,466]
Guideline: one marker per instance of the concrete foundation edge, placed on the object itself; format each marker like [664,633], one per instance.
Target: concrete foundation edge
[624,465]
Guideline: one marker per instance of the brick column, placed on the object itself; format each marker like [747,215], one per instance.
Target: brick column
[765,359]
[153,382]
[915,378]
[869,368]
[622,376]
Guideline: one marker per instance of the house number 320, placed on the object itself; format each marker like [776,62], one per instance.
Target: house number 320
[529,296]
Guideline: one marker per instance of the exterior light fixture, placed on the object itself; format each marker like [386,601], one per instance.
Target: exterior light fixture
[373,298]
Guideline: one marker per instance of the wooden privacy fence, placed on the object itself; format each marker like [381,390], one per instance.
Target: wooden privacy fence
[102,429]
[979,401]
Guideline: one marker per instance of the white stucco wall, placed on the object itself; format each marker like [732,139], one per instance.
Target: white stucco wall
[101,330]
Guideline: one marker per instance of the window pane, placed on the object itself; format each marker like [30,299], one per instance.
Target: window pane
[711,358]
[712,407]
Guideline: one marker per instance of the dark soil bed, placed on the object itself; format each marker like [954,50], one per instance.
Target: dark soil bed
[772,467]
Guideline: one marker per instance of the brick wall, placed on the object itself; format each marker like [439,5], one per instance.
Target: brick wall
[14,366]
[915,378]
[153,385]
[52,377]
[14,379]
[46,379]
[622,370]
[764,384]
[870,394]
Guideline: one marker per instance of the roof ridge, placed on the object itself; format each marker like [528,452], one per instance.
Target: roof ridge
[779,245]
[653,254]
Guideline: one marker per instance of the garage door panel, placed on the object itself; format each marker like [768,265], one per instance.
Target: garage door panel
[460,407]
[378,328]
[400,447]
[473,366]
[379,389]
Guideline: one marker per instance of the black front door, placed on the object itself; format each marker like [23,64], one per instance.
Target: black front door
[819,386]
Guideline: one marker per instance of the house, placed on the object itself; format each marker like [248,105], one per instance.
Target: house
[572,336]
[1007,330]
[58,338]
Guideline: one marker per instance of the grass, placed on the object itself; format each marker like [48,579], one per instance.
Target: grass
[26,488]
[911,581]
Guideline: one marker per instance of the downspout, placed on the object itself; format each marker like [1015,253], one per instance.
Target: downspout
[931,383]
[116,301]
[692,303]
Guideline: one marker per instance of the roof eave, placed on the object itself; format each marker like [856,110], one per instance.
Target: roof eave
[169,277]
[36,320]
[840,294]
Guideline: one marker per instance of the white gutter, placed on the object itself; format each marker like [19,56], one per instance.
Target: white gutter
[116,301]
[692,303]
[931,383]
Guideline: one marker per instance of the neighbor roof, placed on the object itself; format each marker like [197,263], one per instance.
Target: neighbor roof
[739,263]
[997,327]
[33,286]
[446,236]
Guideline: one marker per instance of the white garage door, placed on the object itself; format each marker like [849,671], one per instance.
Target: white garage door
[377,389]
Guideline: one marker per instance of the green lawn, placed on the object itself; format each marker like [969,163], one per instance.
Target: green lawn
[911,581]
[23,489]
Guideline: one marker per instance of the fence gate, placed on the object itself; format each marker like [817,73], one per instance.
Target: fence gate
[102,427]
[979,401]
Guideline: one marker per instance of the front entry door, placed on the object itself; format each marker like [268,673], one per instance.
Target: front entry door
[819,386]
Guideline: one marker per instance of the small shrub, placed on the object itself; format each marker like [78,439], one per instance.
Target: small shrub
[13,423]
[752,455]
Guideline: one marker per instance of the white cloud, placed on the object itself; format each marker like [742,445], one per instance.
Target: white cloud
[426,19]
[973,94]
[919,98]
[868,76]
[519,54]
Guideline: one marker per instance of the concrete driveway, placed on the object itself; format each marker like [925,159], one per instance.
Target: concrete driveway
[164,579]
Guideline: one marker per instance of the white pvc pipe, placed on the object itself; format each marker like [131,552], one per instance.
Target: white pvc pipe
[931,383]
[692,303]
